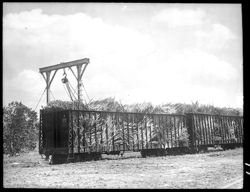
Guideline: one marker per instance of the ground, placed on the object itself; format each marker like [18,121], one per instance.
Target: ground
[216,170]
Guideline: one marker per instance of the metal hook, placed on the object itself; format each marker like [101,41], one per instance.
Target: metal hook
[64,72]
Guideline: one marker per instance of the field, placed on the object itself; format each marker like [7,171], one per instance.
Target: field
[214,170]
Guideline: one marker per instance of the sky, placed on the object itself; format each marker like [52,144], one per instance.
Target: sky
[158,53]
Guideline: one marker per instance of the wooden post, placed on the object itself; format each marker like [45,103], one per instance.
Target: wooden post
[48,85]
[190,130]
[79,67]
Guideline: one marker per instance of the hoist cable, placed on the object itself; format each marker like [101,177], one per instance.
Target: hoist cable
[40,98]
[66,82]
[72,88]
[86,92]
[66,91]
[70,92]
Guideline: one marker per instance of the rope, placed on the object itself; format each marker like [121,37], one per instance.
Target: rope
[52,94]
[72,89]
[40,98]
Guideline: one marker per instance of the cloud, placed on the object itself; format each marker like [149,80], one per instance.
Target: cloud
[217,37]
[124,63]
[180,17]
[46,40]
[194,62]
[184,77]
[26,87]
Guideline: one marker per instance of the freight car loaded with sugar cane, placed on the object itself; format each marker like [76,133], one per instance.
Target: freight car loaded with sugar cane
[78,134]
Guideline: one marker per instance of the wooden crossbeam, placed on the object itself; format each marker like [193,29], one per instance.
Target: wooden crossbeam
[64,65]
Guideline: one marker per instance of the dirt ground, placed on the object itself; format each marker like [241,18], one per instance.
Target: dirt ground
[213,170]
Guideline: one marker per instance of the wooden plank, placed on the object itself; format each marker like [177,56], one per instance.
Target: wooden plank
[163,132]
[199,129]
[72,133]
[142,135]
[73,72]
[146,133]
[211,128]
[167,127]
[123,131]
[150,134]
[138,143]
[178,130]
[208,129]
[175,139]
[101,117]
[128,145]
[113,139]
[231,126]
[224,129]
[205,128]
[171,131]
[90,133]
[133,121]
[241,129]
[83,70]
[95,133]
[202,130]
[195,140]
[78,132]
[106,131]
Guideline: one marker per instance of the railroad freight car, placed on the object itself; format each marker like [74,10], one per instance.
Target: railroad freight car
[78,135]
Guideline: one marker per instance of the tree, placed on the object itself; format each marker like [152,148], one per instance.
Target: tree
[20,128]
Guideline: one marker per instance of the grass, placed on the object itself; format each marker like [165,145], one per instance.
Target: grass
[214,170]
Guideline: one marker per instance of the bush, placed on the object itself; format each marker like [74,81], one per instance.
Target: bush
[20,128]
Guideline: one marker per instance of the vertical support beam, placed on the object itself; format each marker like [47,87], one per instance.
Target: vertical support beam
[128,146]
[137,129]
[79,68]
[106,131]
[190,129]
[146,132]
[150,132]
[142,142]
[48,82]
[171,130]
[48,85]
[40,133]
[167,127]
[78,132]
[133,122]
[96,142]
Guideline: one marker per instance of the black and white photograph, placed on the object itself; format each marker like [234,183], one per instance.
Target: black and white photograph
[122,95]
